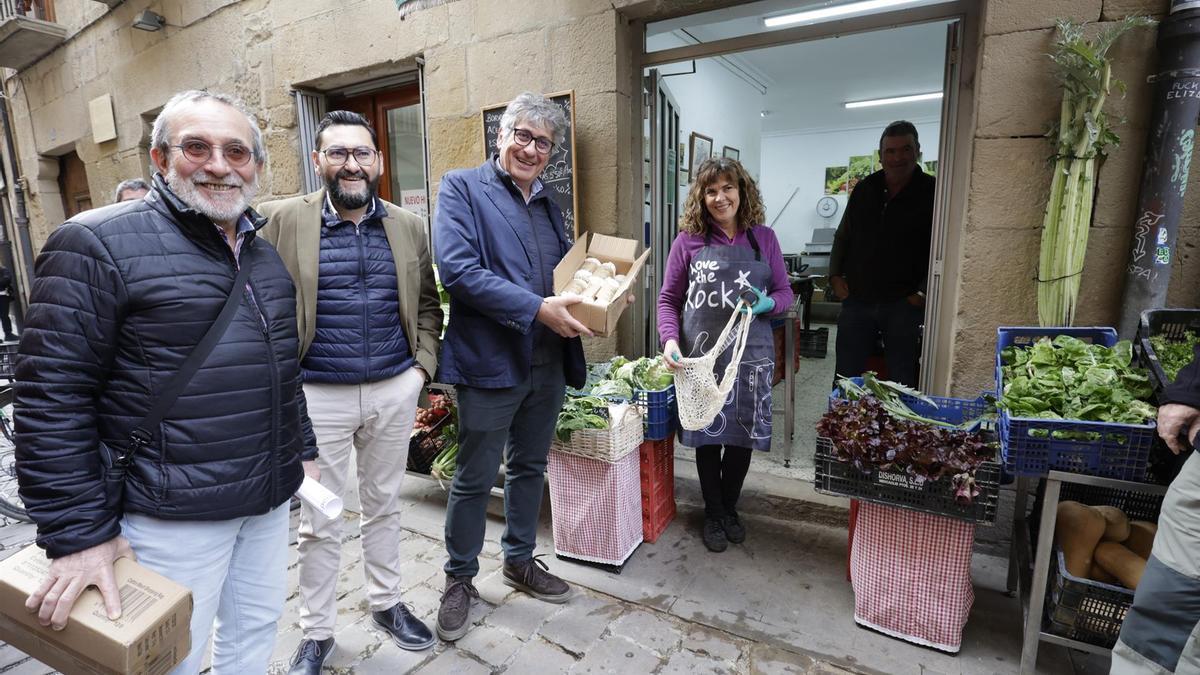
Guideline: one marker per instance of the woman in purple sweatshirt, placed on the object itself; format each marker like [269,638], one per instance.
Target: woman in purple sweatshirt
[723,253]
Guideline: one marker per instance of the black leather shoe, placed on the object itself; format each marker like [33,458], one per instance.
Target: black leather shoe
[533,577]
[455,608]
[407,631]
[714,535]
[735,532]
[310,656]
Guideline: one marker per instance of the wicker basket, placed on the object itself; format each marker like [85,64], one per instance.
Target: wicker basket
[623,436]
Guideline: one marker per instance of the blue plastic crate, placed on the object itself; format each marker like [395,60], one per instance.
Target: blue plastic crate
[1028,444]
[658,412]
[951,410]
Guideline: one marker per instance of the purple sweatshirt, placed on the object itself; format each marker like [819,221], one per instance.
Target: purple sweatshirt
[675,277]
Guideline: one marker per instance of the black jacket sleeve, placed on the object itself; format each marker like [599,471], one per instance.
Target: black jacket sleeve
[306,429]
[67,347]
[1185,389]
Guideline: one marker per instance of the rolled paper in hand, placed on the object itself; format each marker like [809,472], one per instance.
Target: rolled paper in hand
[320,498]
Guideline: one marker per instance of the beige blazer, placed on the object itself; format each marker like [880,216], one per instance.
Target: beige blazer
[294,227]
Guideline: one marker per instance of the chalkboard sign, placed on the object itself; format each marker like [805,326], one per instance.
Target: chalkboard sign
[559,174]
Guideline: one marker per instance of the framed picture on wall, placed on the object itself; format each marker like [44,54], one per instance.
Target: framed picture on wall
[731,153]
[699,149]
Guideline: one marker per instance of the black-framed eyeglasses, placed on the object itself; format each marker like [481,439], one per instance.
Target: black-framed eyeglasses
[198,152]
[543,145]
[362,154]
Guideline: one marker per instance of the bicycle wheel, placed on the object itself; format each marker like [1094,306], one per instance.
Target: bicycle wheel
[11,505]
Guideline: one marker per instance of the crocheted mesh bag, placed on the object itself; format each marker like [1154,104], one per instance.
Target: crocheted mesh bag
[697,392]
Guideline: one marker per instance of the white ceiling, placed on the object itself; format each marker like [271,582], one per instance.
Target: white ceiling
[807,83]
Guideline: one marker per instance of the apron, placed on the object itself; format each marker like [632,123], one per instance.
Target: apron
[716,277]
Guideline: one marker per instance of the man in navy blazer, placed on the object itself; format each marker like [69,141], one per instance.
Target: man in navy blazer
[511,348]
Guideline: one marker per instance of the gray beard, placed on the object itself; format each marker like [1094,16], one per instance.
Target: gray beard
[189,193]
[350,200]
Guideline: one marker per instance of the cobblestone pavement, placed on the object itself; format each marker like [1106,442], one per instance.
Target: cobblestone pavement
[512,633]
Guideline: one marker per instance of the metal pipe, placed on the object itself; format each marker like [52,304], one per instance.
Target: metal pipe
[21,217]
[1165,167]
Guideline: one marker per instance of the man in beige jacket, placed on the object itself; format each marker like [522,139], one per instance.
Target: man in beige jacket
[369,323]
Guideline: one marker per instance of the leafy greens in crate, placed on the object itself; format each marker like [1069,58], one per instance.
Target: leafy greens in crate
[874,429]
[1067,378]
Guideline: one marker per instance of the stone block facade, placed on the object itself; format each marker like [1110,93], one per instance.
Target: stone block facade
[482,52]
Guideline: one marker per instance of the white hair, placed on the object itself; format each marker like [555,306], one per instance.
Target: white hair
[160,134]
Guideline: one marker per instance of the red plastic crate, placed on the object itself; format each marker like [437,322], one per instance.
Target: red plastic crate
[657,459]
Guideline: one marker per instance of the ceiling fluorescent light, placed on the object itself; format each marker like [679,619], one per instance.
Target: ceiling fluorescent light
[826,13]
[895,99]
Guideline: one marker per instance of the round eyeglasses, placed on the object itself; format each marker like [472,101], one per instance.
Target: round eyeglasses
[523,137]
[199,152]
[363,155]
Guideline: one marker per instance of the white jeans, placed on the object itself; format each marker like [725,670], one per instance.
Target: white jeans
[373,420]
[237,572]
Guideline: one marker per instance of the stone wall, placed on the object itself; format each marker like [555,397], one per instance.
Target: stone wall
[1017,101]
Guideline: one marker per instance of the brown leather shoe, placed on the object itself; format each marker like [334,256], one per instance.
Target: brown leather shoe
[455,608]
[533,577]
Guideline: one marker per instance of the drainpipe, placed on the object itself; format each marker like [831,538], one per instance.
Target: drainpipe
[1165,167]
[22,217]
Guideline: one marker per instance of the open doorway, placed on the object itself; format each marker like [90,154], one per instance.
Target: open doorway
[781,111]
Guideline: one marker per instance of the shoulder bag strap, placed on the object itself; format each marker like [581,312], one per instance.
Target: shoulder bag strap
[142,434]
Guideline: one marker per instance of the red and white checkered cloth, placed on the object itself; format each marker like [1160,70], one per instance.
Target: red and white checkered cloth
[911,574]
[595,507]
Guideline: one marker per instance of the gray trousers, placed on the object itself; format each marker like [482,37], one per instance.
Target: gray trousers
[516,423]
[1161,633]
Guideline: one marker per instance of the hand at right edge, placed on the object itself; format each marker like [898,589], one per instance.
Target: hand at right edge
[71,574]
[1175,420]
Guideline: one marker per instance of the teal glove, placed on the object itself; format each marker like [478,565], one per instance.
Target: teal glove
[762,304]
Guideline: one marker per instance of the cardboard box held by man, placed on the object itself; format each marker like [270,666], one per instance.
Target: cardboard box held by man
[151,637]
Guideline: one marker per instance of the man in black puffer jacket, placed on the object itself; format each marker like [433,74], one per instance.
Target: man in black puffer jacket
[122,296]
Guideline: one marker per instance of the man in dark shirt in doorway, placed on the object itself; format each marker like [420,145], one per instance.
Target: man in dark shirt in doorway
[880,260]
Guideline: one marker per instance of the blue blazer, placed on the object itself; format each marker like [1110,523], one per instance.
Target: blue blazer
[485,262]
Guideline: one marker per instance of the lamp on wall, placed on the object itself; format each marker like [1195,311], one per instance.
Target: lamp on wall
[149,21]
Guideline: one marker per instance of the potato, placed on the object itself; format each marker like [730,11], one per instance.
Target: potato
[1117,527]
[1120,562]
[1078,529]
[1141,537]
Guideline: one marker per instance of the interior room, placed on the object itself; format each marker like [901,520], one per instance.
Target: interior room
[805,120]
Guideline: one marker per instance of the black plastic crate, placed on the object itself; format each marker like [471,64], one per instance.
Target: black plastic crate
[1172,324]
[422,454]
[813,344]
[1085,610]
[8,359]
[893,488]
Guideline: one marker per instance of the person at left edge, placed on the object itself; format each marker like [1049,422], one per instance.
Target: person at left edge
[121,296]
[369,324]
[723,252]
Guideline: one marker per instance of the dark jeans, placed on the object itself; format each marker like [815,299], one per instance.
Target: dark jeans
[518,424]
[721,477]
[860,324]
[5,319]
